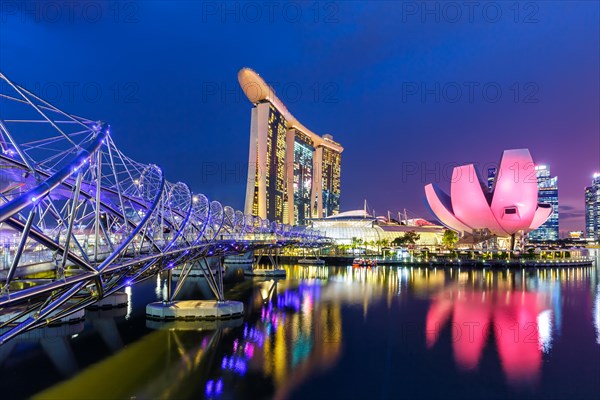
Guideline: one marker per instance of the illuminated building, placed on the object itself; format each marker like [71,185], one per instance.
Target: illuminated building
[490,179]
[576,234]
[592,208]
[331,163]
[302,175]
[293,173]
[511,206]
[349,226]
[547,193]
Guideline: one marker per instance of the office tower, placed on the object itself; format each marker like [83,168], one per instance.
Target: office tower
[490,178]
[592,209]
[293,173]
[547,193]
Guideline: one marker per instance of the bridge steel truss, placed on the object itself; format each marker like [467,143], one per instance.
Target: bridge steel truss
[103,221]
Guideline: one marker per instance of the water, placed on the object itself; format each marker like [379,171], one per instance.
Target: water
[334,332]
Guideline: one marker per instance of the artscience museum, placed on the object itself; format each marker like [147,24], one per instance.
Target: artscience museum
[509,209]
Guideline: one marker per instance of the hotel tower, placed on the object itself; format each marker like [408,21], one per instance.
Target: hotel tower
[293,173]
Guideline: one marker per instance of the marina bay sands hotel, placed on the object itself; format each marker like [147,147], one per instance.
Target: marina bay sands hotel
[293,173]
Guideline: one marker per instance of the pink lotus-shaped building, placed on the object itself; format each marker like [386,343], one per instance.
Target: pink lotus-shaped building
[511,205]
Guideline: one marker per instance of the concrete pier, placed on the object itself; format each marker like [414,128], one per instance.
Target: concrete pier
[266,272]
[195,309]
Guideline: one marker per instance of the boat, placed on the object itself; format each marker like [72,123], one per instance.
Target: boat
[311,261]
[364,262]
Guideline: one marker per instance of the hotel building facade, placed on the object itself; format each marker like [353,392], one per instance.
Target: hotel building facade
[293,173]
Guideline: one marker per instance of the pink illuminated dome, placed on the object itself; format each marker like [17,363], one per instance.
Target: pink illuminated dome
[509,207]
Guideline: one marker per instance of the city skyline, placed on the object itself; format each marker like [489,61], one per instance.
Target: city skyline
[387,92]
[253,200]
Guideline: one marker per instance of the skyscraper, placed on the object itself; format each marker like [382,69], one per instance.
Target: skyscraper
[293,173]
[592,209]
[547,193]
[331,165]
[490,178]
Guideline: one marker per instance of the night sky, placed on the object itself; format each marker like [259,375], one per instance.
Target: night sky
[409,92]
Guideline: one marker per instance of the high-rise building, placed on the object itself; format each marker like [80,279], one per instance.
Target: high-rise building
[293,173]
[592,208]
[547,193]
[331,165]
[490,178]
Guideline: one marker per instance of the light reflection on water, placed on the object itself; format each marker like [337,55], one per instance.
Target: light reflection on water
[597,314]
[325,322]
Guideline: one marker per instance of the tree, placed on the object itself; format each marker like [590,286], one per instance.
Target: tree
[449,239]
[409,238]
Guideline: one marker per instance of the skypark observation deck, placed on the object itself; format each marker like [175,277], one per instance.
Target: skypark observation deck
[71,202]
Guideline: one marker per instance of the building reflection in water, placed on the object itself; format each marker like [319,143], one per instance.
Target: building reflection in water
[517,312]
[597,314]
[292,333]
[292,330]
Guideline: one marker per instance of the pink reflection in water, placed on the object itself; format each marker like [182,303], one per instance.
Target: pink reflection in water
[511,317]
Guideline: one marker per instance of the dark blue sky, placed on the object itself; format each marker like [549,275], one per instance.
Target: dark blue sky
[408,91]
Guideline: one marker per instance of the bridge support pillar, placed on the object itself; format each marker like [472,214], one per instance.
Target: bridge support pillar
[169,285]
[274,271]
[195,309]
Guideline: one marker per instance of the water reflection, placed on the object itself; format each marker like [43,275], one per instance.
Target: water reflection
[597,314]
[55,343]
[311,327]
[292,333]
[517,312]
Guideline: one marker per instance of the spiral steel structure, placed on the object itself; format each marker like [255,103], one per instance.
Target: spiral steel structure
[71,200]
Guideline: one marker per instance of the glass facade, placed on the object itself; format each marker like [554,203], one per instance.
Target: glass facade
[547,193]
[592,209]
[303,177]
[297,174]
[490,178]
[345,230]
[275,176]
[331,181]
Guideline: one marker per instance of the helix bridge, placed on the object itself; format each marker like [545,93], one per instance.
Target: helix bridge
[74,205]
